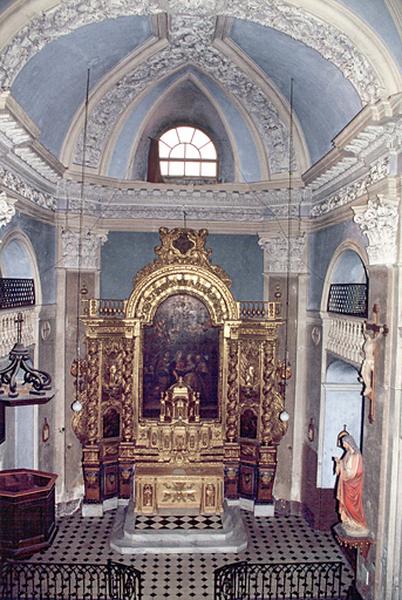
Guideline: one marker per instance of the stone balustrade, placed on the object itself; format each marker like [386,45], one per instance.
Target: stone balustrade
[345,338]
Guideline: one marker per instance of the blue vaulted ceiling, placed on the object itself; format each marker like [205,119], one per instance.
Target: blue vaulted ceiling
[324,101]
[52,86]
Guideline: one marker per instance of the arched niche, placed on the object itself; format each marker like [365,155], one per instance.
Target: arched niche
[341,404]
[18,260]
[348,266]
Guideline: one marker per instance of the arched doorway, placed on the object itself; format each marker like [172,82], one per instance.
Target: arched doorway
[341,405]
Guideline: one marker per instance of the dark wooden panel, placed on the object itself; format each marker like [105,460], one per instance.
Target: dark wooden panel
[319,504]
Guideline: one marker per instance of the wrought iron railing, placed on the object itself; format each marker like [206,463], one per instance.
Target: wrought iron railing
[16,292]
[250,311]
[348,299]
[280,581]
[57,581]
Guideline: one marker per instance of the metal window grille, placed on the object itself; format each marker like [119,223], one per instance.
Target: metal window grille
[15,293]
[280,581]
[57,581]
[348,299]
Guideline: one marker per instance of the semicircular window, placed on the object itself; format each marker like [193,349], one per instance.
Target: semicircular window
[187,152]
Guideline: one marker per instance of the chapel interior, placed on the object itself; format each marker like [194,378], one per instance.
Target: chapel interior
[200,290]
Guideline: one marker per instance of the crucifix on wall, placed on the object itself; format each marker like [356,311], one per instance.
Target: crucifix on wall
[372,330]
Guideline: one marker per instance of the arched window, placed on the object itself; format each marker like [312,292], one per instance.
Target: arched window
[187,152]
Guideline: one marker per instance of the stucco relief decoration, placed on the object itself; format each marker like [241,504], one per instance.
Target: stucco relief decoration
[202,204]
[326,39]
[377,171]
[81,251]
[282,256]
[64,18]
[16,184]
[7,209]
[67,16]
[198,7]
[190,39]
[379,222]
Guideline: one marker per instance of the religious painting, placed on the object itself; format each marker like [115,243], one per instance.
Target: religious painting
[181,342]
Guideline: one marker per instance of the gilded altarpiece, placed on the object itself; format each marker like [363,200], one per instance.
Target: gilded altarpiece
[181,387]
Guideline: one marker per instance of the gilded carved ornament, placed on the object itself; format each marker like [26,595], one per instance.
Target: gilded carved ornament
[85,422]
[183,265]
[232,404]
[274,375]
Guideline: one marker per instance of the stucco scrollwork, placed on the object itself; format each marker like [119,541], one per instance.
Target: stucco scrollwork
[16,184]
[285,255]
[190,42]
[7,209]
[379,222]
[81,251]
[194,7]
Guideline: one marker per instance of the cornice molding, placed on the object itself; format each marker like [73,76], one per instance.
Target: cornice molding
[20,188]
[23,136]
[135,200]
[353,191]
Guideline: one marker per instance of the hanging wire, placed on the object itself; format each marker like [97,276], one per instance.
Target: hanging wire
[81,221]
[289,223]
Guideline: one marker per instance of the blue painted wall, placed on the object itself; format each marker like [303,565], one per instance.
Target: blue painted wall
[126,252]
[322,246]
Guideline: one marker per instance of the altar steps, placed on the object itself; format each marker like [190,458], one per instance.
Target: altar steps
[178,534]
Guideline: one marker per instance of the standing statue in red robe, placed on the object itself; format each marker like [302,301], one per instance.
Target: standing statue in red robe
[349,494]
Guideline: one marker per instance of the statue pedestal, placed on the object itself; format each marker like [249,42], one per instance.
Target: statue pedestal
[157,534]
[361,543]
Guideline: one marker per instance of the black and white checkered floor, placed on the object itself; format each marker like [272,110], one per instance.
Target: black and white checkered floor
[190,576]
[160,522]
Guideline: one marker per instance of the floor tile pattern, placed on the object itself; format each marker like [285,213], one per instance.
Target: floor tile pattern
[197,522]
[187,576]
